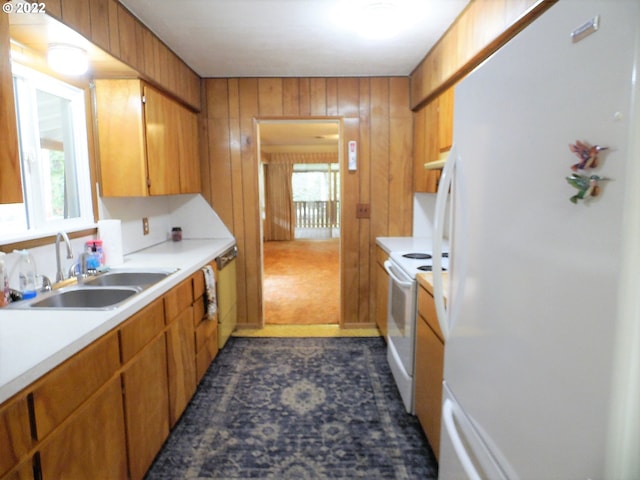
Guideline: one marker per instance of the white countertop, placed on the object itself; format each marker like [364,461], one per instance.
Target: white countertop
[405,244]
[34,342]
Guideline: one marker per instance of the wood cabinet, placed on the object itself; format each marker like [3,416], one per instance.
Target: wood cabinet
[147,142]
[15,434]
[145,384]
[432,137]
[10,177]
[382,291]
[63,390]
[146,405]
[429,369]
[91,444]
[206,328]
[181,355]
[106,411]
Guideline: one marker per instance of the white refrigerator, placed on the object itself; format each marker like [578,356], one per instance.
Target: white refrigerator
[541,355]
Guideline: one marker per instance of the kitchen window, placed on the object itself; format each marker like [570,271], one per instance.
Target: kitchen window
[53,159]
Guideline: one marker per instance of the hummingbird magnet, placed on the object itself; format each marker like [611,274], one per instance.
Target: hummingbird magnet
[586,186]
[588,155]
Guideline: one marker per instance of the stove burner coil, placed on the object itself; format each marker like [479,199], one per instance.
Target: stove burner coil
[417,256]
[429,268]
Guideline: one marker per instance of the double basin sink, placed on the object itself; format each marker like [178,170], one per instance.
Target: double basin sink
[103,291]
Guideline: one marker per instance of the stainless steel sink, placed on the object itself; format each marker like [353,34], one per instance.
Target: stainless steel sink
[82,298]
[101,292]
[142,279]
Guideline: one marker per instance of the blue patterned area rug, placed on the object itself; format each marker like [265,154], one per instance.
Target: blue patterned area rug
[297,408]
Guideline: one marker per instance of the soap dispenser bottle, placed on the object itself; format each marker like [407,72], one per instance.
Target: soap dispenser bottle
[26,274]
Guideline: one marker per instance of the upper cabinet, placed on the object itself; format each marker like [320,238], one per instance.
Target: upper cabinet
[10,179]
[147,142]
[110,26]
[432,138]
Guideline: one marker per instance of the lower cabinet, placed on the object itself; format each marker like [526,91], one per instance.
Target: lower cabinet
[106,412]
[206,327]
[91,444]
[181,363]
[15,435]
[429,370]
[146,405]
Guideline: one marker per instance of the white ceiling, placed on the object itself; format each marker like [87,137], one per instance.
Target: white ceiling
[281,38]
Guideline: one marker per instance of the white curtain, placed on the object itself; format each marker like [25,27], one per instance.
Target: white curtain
[279,216]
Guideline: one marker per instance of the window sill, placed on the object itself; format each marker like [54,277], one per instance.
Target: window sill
[41,237]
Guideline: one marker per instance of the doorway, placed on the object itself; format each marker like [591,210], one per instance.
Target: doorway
[300,215]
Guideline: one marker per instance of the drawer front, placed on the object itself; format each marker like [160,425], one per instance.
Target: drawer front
[204,331]
[198,311]
[141,328]
[427,308]
[60,392]
[177,299]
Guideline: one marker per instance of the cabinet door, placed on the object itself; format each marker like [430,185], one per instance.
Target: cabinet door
[146,405]
[121,145]
[15,433]
[91,443]
[181,359]
[428,382]
[10,178]
[163,154]
[189,151]
[63,390]
[426,135]
[445,120]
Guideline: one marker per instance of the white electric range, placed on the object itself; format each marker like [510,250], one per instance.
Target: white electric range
[402,267]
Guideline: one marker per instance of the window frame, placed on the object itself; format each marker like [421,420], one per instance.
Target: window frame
[30,80]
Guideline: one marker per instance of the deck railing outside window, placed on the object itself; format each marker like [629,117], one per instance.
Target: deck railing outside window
[317,214]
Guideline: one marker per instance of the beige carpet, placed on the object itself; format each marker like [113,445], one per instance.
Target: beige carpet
[302,282]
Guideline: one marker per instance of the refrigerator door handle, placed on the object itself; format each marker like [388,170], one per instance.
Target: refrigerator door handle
[448,419]
[394,277]
[446,181]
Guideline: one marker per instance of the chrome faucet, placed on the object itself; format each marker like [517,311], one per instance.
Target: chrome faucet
[63,236]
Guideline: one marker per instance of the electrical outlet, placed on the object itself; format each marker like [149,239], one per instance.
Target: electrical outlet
[145,226]
[362,210]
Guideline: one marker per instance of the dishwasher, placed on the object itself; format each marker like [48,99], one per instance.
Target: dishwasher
[226,293]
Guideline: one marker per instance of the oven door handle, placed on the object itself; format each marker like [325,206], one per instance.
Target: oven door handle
[389,269]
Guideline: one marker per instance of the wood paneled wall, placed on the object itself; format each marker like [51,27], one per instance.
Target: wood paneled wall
[481,29]
[373,111]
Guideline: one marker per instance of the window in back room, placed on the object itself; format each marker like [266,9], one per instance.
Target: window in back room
[53,159]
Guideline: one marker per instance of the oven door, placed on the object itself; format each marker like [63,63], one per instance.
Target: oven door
[401,323]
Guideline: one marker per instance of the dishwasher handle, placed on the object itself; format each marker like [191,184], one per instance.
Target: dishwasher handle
[226,257]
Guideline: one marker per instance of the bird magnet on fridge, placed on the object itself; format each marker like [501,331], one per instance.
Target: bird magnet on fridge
[588,155]
[587,186]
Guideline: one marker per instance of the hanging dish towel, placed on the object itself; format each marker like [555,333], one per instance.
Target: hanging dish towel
[211,301]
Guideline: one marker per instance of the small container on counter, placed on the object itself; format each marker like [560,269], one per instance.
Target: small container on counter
[176,234]
[4,282]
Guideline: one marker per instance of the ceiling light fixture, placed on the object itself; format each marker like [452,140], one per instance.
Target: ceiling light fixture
[380,19]
[67,59]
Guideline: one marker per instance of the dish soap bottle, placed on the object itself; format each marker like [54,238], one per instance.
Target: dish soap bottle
[26,274]
[4,282]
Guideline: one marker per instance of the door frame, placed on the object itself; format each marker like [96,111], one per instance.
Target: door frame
[341,161]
